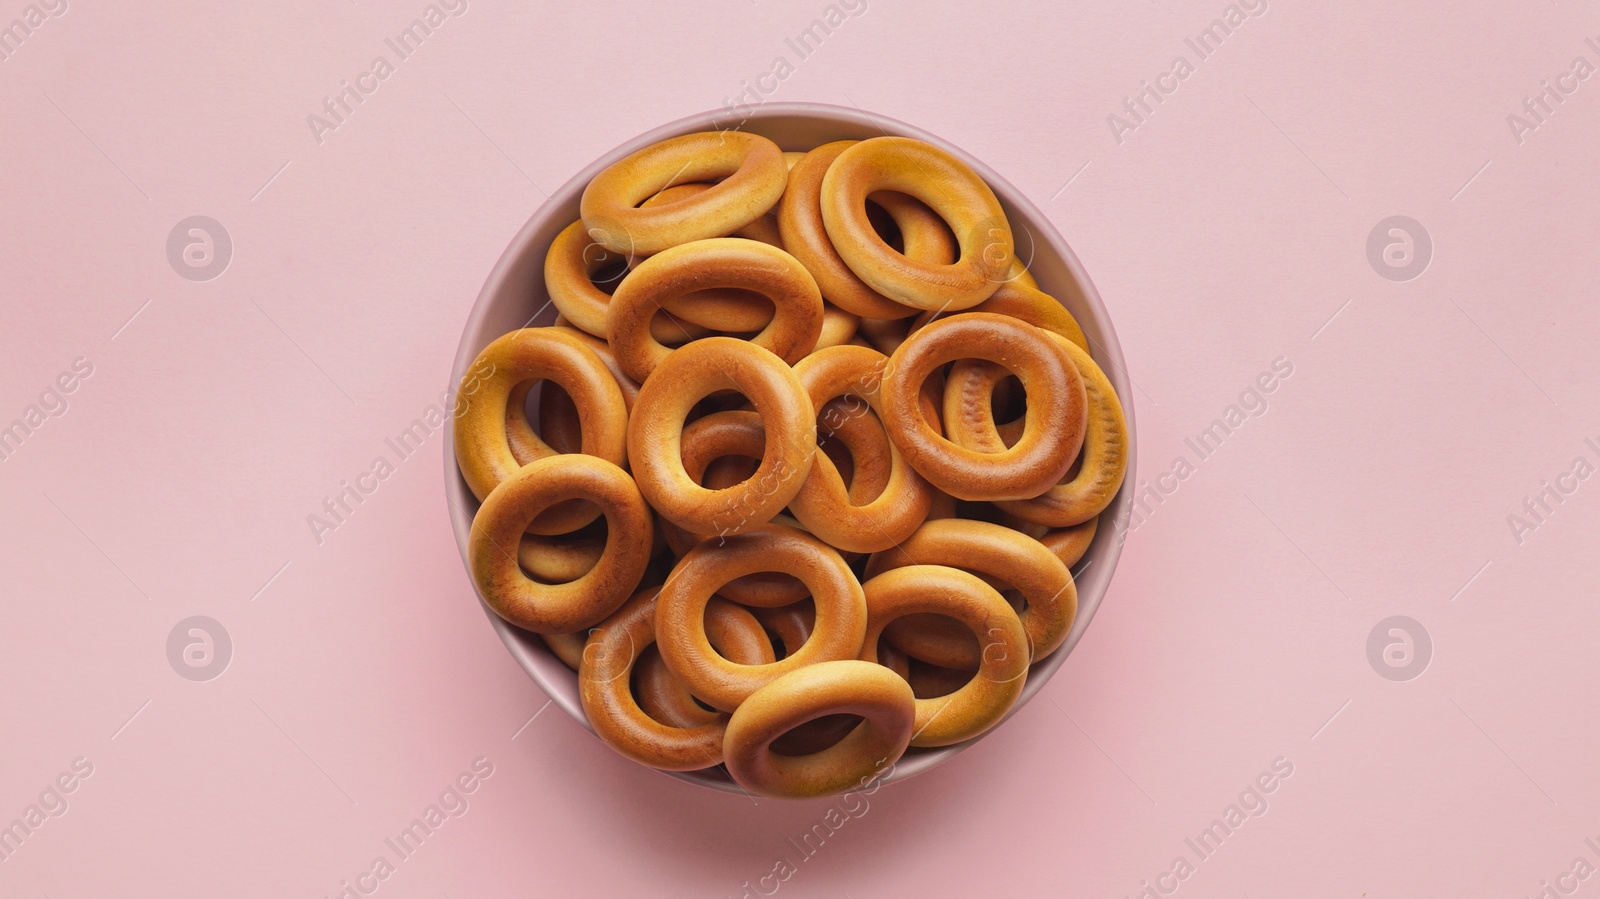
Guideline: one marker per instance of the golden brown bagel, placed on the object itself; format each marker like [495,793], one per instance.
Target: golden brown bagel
[483,443]
[838,327]
[1019,274]
[722,262]
[497,529]
[823,503]
[923,235]
[655,435]
[1055,413]
[997,552]
[1070,543]
[750,175]
[937,589]
[1105,443]
[882,699]
[943,183]
[570,267]
[680,612]
[734,633]
[605,688]
[566,647]
[885,335]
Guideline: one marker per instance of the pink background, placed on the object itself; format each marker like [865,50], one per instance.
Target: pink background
[1227,230]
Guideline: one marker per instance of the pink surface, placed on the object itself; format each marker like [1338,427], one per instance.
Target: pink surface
[1227,230]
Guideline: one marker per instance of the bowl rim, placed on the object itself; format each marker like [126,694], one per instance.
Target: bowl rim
[1105,550]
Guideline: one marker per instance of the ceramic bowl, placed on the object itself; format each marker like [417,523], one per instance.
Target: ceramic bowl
[514,297]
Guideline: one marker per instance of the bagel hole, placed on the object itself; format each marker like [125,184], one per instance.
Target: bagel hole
[1074,468]
[815,735]
[883,223]
[832,419]
[979,510]
[673,331]
[779,650]
[804,609]
[636,680]
[553,415]
[717,401]
[859,566]
[609,272]
[636,674]
[688,197]
[1009,402]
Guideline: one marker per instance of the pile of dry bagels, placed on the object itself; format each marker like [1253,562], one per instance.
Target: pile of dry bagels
[811,457]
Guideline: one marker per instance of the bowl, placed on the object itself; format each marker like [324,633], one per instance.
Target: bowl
[514,297]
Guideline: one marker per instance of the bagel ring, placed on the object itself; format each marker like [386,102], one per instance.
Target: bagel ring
[560,428]
[496,535]
[604,687]
[655,435]
[943,183]
[483,443]
[722,449]
[734,633]
[824,504]
[573,261]
[1003,668]
[764,229]
[847,687]
[1054,421]
[570,267]
[1105,442]
[750,175]
[721,309]
[998,552]
[719,262]
[923,235]
[841,610]
[1019,274]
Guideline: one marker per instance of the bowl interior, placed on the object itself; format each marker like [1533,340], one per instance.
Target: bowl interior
[514,297]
